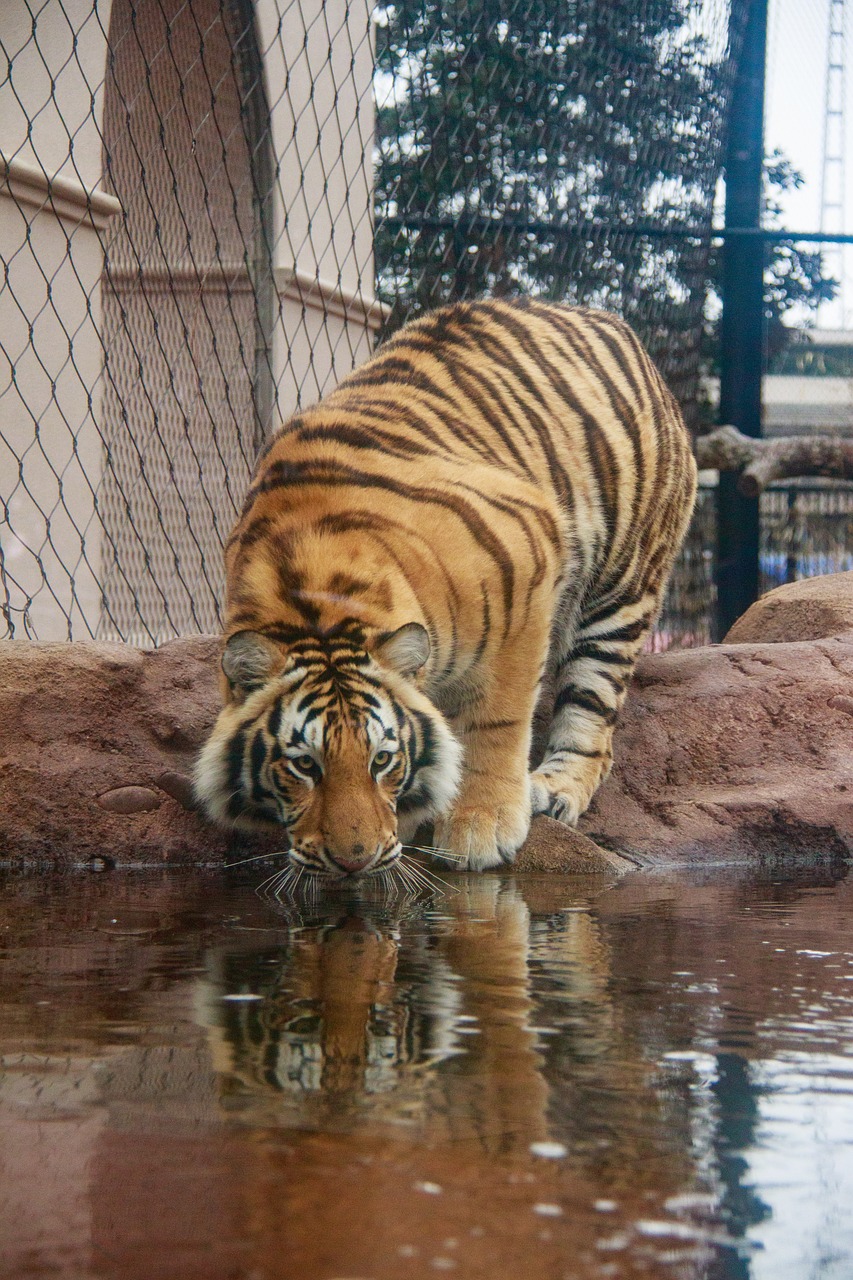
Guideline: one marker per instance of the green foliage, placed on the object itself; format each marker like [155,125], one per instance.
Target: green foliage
[794,280]
[520,143]
[794,276]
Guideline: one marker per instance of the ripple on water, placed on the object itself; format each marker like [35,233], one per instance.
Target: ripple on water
[661,1068]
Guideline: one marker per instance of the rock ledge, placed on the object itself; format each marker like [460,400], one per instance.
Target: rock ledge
[737,752]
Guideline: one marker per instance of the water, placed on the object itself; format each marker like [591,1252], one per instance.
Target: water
[528,1077]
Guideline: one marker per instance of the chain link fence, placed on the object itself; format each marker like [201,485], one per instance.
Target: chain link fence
[187,248]
[211,211]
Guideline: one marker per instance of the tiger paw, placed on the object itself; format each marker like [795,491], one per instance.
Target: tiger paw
[480,839]
[557,799]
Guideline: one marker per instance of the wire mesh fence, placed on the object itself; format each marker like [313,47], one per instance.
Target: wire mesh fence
[210,211]
[187,244]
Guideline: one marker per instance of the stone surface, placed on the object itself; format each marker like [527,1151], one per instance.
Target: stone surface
[734,752]
[97,743]
[737,752]
[554,847]
[812,609]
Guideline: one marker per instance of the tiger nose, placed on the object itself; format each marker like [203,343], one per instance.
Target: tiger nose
[355,858]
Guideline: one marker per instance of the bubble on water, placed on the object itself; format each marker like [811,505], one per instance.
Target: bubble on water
[549,1150]
[703,1062]
[429,1188]
[605,1206]
[619,1241]
[690,1200]
[548,1210]
[678,1229]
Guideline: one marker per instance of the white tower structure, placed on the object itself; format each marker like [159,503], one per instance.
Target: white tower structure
[833,177]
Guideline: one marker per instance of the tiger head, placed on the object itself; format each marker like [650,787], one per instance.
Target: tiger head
[330,740]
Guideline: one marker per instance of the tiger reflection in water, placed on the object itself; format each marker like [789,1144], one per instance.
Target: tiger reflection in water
[362,1019]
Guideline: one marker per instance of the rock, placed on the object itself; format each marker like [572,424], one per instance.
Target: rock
[130,800]
[97,743]
[733,753]
[179,786]
[554,847]
[812,609]
[738,752]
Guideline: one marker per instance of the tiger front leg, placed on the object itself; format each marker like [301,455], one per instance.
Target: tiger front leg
[490,817]
[592,682]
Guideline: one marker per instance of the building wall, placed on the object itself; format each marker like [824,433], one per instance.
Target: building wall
[53,211]
[170,294]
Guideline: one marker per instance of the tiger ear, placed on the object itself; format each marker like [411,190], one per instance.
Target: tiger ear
[404,650]
[249,660]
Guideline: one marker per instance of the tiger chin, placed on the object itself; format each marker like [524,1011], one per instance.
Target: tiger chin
[488,508]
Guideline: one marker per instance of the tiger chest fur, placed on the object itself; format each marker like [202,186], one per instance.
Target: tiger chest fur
[494,500]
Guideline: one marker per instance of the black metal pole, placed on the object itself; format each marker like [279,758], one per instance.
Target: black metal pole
[742,333]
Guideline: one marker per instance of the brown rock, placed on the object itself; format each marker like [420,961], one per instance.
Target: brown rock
[179,786]
[554,847]
[130,800]
[97,743]
[812,609]
[732,753]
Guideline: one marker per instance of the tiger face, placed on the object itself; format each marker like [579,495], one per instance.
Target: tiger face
[333,743]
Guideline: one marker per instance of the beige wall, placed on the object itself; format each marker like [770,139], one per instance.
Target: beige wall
[323,141]
[51,211]
[55,216]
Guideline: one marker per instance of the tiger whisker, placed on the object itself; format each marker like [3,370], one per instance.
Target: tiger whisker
[418,875]
[389,883]
[291,886]
[400,871]
[260,888]
[431,848]
[410,885]
[276,882]
[258,857]
[443,853]
[428,876]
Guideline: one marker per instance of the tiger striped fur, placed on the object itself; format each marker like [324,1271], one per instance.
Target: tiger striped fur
[493,501]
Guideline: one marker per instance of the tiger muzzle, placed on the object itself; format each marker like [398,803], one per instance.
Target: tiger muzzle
[354,859]
[355,826]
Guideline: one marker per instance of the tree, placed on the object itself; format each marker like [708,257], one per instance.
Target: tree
[521,145]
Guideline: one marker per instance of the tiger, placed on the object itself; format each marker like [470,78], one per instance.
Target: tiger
[488,507]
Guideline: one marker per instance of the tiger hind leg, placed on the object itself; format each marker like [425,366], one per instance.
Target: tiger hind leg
[592,677]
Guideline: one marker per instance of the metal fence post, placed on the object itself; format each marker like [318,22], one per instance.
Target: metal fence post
[742,348]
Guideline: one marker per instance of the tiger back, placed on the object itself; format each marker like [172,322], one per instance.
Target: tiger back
[497,496]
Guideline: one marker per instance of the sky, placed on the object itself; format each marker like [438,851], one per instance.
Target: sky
[794,112]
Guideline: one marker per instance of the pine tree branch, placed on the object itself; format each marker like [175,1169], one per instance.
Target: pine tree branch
[760,462]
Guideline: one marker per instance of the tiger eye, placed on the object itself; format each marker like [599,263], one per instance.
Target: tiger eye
[305,764]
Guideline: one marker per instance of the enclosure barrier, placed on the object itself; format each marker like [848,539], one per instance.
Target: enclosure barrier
[211,211]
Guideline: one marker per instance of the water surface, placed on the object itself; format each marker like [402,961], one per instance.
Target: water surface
[526,1077]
